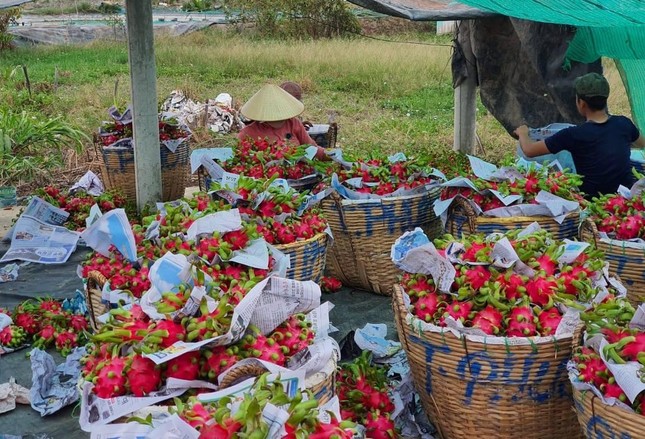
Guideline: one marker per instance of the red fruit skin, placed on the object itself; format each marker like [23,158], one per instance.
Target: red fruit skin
[144,376]
[184,367]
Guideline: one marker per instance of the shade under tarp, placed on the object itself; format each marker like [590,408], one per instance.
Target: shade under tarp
[423,10]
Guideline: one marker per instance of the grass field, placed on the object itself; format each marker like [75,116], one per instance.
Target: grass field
[388,96]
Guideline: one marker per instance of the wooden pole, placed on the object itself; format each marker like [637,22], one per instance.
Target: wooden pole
[465,99]
[143,78]
[465,116]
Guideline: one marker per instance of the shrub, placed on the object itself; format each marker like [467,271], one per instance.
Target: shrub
[294,18]
[7,16]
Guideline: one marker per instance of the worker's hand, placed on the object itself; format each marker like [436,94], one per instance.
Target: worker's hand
[321,155]
[521,131]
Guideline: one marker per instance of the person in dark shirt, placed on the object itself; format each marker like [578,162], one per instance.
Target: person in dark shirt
[600,147]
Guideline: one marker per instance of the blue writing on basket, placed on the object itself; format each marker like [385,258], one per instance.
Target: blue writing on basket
[598,428]
[430,351]
[471,363]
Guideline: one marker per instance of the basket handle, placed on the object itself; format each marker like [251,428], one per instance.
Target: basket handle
[461,206]
[589,226]
[95,280]
[338,201]
[241,373]
[399,312]
[332,135]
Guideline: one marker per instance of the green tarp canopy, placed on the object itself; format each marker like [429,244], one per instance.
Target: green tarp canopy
[611,28]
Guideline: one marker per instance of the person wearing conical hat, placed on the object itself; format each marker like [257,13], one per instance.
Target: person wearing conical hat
[274,113]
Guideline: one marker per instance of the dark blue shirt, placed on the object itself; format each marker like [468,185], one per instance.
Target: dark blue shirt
[600,152]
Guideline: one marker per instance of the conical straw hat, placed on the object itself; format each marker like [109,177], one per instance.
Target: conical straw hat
[270,104]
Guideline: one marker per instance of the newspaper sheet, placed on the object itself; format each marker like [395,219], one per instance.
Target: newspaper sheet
[113,228]
[36,241]
[43,211]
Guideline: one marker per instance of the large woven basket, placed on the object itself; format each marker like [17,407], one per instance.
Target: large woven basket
[365,231]
[323,386]
[307,257]
[95,304]
[118,171]
[628,263]
[463,221]
[491,391]
[602,421]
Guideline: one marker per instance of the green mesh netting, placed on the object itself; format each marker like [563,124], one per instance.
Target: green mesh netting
[611,28]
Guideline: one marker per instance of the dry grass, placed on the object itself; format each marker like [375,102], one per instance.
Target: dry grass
[388,96]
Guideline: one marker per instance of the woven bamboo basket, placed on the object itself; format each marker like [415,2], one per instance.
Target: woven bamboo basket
[602,421]
[307,257]
[628,263]
[328,139]
[472,389]
[365,231]
[95,304]
[323,386]
[463,221]
[117,170]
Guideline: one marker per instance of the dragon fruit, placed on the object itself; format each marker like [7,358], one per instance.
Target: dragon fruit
[548,321]
[258,346]
[634,347]
[66,341]
[26,321]
[459,310]
[295,334]
[78,322]
[630,227]
[521,322]
[427,306]
[13,336]
[238,239]
[175,332]
[488,320]
[217,360]
[512,285]
[613,390]
[229,430]
[110,379]
[184,367]
[143,375]
[476,276]
[546,264]
[380,426]
[541,291]
[616,204]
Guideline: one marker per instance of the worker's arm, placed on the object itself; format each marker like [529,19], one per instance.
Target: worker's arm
[639,143]
[529,147]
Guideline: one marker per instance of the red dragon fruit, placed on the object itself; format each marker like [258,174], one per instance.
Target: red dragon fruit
[176,332]
[26,321]
[489,320]
[512,285]
[110,379]
[13,336]
[541,290]
[546,264]
[144,376]
[476,276]
[616,204]
[238,239]
[78,323]
[630,227]
[460,310]
[380,426]
[66,341]
[227,430]
[521,322]
[427,306]
[295,334]
[217,360]
[184,367]
[259,346]
[631,349]
[549,320]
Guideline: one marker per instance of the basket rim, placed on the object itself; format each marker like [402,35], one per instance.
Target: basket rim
[397,294]
[322,236]
[587,399]
[345,201]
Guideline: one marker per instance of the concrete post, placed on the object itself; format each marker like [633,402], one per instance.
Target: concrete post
[143,78]
[465,116]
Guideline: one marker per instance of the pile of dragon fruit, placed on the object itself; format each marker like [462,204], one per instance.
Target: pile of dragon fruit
[116,366]
[215,419]
[620,217]
[623,351]
[78,205]
[43,323]
[363,390]
[262,159]
[527,183]
[380,176]
[524,300]
[113,131]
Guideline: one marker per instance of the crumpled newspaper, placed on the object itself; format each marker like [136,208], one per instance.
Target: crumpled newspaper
[9,272]
[217,114]
[90,183]
[409,416]
[12,393]
[54,387]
